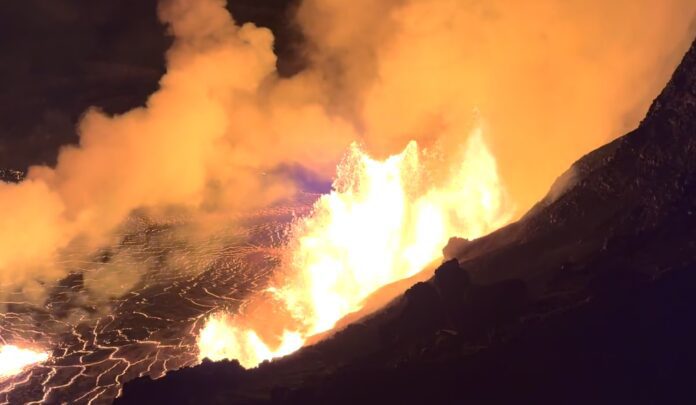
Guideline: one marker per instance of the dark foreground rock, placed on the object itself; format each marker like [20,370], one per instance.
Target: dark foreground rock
[11,175]
[589,298]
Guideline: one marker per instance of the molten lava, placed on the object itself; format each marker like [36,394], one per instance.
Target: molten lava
[383,222]
[14,360]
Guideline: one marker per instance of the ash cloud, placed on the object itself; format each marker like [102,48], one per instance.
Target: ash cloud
[553,80]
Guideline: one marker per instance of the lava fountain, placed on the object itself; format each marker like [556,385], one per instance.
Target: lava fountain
[384,221]
[14,360]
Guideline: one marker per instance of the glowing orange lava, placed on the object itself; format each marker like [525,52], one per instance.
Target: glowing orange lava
[14,360]
[383,222]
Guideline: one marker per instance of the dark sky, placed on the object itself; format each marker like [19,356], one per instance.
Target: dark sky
[59,57]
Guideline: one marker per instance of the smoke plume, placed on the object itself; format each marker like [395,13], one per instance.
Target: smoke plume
[553,79]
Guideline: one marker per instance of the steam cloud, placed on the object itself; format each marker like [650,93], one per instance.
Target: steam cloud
[553,79]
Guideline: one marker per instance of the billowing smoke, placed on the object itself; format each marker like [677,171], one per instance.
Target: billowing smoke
[552,79]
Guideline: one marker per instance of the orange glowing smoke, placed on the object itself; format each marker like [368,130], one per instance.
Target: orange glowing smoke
[384,221]
[554,78]
[14,360]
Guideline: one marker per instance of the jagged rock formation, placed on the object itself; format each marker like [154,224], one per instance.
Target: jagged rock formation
[11,176]
[587,299]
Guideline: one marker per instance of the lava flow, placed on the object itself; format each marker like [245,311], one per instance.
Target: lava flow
[383,222]
[149,330]
[14,360]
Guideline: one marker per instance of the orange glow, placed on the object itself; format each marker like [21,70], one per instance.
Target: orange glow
[14,360]
[220,340]
[384,221]
[225,129]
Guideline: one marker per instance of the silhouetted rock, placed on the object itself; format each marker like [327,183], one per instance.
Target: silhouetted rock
[11,176]
[186,385]
[451,280]
[453,247]
[421,313]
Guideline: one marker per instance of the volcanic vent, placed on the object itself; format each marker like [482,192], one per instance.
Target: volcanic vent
[200,222]
[587,298]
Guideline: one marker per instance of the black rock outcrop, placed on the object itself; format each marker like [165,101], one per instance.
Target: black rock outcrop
[11,176]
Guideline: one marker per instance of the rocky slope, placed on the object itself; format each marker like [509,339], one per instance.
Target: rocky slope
[588,298]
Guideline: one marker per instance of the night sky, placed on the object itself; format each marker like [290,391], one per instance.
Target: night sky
[61,57]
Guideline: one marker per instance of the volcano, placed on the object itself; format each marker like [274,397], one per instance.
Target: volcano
[588,298]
